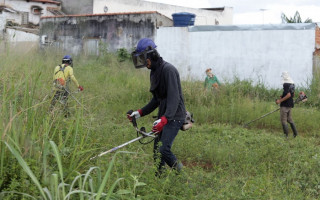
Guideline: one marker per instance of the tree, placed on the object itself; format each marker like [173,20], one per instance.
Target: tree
[296,19]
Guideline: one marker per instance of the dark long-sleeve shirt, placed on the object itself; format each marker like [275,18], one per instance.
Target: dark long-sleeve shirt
[287,89]
[168,95]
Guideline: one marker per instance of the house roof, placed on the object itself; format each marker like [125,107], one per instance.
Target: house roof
[46,1]
[105,14]
[8,9]
[214,9]
[55,11]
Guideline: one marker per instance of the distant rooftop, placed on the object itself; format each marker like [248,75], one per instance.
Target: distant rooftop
[105,14]
[215,9]
[45,1]
[8,9]
[255,27]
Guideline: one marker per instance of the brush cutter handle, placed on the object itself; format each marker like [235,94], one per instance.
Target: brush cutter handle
[133,118]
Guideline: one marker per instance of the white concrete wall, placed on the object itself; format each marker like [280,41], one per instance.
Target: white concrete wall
[24,6]
[16,36]
[2,25]
[258,55]
[203,17]
[12,16]
[4,17]
[19,41]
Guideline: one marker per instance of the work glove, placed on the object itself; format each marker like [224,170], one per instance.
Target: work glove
[136,114]
[80,88]
[159,124]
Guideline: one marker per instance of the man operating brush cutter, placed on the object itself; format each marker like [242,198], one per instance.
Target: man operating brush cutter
[302,97]
[61,80]
[286,104]
[166,96]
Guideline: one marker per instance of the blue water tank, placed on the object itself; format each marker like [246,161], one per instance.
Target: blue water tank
[183,19]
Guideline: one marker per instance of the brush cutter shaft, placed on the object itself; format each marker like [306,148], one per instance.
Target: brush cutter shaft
[142,132]
[76,100]
[150,134]
[145,134]
[261,117]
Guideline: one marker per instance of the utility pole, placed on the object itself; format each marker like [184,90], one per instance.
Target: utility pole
[262,9]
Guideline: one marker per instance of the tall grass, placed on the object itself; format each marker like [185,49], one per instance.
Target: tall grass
[82,186]
[41,150]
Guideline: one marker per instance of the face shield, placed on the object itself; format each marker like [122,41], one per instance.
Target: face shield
[67,61]
[140,59]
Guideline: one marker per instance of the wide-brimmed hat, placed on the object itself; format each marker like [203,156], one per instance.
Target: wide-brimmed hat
[286,77]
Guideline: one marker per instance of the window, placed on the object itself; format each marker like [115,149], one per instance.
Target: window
[36,10]
[24,18]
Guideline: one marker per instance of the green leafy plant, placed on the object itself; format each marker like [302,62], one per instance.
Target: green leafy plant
[123,54]
[295,19]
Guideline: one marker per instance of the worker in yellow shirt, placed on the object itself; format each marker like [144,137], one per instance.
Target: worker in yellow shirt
[61,80]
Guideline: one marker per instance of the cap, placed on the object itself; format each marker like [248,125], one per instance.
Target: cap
[144,43]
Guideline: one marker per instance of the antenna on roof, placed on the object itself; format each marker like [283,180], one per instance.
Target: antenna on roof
[105,9]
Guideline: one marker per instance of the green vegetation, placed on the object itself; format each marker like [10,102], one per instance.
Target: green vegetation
[295,19]
[47,156]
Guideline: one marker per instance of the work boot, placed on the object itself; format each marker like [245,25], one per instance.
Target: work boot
[178,167]
[294,129]
[285,129]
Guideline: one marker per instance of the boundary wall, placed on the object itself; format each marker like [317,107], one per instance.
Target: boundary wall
[258,53]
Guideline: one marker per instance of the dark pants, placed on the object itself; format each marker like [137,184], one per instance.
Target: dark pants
[166,137]
[62,96]
[286,116]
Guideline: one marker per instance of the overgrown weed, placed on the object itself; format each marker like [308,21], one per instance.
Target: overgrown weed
[223,160]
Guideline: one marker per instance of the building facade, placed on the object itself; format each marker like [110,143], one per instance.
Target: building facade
[77,7]
[89,34]
[19,21]
[205,16]
[25,12]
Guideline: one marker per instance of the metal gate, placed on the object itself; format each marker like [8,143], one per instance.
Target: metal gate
[91,46]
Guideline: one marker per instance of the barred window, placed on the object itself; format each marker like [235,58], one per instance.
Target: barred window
[24,18]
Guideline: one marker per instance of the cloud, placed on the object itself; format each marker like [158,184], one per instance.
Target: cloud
[186,3]
[245,6]
[251,11]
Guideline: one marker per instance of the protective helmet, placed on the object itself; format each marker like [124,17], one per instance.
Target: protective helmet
[144,48]
[67,59]
[144,43]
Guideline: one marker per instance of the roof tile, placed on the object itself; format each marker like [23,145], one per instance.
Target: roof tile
[104,14]
[46,1]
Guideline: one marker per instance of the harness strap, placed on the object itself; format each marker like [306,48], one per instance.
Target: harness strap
[61,69]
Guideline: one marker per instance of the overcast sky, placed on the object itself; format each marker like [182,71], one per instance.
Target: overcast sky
[257,11]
